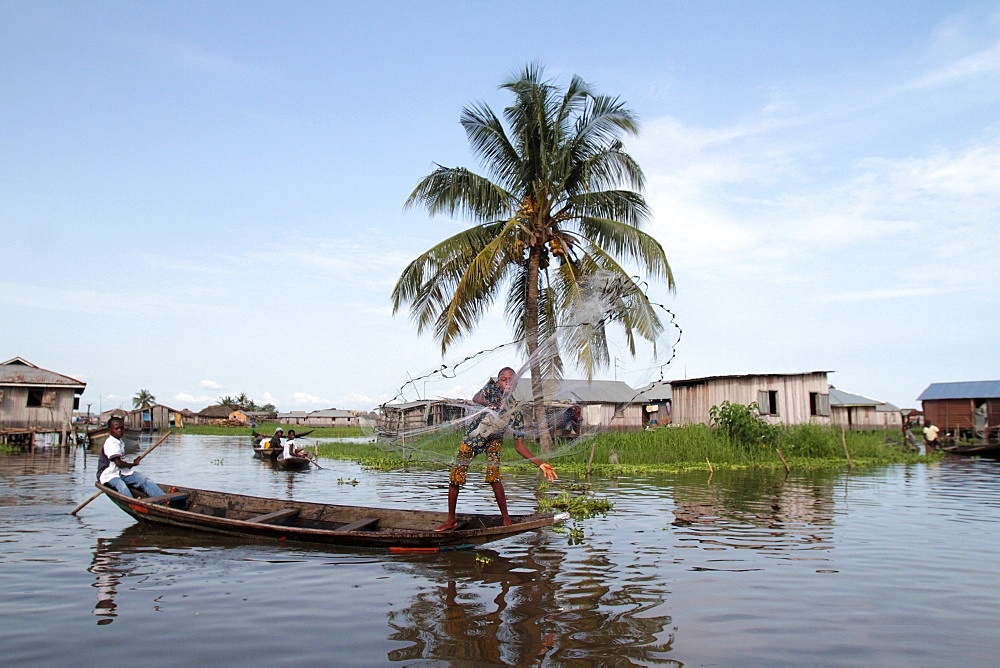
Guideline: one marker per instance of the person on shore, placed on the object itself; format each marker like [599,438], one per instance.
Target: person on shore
[117,472]
[931,436]
[485,434]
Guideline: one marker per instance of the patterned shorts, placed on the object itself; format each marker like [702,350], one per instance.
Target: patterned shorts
[470,447]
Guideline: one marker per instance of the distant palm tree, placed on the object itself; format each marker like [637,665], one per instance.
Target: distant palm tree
[551,225]
[143,399]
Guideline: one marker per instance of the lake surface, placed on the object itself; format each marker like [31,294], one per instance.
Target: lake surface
[892,567]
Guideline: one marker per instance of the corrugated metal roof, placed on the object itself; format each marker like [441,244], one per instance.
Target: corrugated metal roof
[972,389]
[705,379]
[19,371]
[660,391]
[331,413]
[841,398]
[581,391]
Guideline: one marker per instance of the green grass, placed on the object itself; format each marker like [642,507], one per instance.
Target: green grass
[667,449]
[268,428]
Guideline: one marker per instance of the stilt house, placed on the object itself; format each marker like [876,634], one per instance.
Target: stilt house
[36,403]
[963,409]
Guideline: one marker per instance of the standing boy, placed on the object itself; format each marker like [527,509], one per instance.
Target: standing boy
[478,440]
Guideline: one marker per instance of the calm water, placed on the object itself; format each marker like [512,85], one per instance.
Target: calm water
[894,567]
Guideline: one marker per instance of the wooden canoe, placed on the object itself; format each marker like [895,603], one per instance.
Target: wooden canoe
[269,454]
[350,526]
[293,463]
[983,450]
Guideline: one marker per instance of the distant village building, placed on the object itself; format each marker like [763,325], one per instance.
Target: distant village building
[788,399]
[853,411]
[607,404]
[153,418]
[412,418]
[36,404]
[657,403]
[889,416]
[968,409]
[329,417]
[603,404]
[216,414]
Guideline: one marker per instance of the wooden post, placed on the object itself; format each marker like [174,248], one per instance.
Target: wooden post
[843,438]
[782,458]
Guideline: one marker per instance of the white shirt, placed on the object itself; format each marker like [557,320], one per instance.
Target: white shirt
[114,447]
[289,448]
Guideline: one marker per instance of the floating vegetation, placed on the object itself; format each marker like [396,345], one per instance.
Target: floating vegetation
[574,533]
[351,481]
[579,506]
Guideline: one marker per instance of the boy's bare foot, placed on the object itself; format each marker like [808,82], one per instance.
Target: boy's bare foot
[447,526]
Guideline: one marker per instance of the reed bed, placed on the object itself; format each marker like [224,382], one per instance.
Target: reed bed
[665,449]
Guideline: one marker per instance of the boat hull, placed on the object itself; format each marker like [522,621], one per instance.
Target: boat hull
[293,463]
[349,526]
[267,454]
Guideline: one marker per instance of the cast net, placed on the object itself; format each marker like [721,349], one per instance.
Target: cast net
[586,377]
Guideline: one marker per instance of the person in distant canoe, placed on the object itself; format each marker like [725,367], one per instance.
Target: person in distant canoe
[931,436]
[291,449]
[115,471]
[275,441]
[485,434]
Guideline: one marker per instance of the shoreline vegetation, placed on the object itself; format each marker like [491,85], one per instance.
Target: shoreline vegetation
[664,450]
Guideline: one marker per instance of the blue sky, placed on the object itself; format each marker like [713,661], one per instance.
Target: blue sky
[206,198]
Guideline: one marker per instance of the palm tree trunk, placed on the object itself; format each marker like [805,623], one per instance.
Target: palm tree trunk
[534,363]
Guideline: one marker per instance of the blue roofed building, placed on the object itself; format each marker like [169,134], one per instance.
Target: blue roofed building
[965,409]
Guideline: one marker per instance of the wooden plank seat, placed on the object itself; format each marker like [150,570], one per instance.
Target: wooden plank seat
[275,517]
[167,498]
[365,523]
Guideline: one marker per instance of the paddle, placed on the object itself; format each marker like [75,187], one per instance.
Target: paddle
[317,457]
[137,459]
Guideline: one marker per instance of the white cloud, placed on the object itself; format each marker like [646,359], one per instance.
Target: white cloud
[210,385]
[308,399]
[188,399]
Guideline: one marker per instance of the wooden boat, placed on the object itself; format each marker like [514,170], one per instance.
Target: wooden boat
[257,438]
[293,463]
[261,451]
[352,526]
[982,450]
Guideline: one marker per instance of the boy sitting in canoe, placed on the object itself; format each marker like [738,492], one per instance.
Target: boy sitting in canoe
[291,450]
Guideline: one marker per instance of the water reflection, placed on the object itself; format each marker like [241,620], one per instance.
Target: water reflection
[529,608]
[483,607]
[106,566]
[773,516]
[37,461]
[738,569]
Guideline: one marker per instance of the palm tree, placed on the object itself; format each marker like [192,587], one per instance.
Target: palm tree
[143,399]
[551,225]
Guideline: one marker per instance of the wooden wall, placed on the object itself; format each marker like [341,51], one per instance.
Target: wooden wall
[951,415]
[693,400]
[55,415]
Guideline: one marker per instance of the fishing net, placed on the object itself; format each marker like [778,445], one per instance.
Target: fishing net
[431,411]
